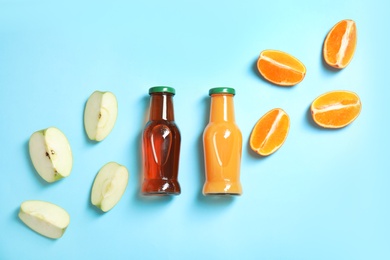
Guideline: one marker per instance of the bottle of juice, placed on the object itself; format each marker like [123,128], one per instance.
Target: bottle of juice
[222,143]
[161,145]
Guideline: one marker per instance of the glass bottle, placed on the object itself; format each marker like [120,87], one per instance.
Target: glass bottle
[161,145]
[222,143]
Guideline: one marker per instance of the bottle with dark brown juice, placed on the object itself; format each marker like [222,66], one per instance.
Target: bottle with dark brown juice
[161,145]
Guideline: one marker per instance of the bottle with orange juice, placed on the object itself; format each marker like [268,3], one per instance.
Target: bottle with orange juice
[222,143]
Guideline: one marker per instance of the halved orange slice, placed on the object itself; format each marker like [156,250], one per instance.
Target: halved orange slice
[270,132]
[340,44]
[280,68]
[336,109]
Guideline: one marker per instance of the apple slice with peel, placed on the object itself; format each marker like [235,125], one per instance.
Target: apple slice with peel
[109,185]
[100,114]
[51,154]
[44,218]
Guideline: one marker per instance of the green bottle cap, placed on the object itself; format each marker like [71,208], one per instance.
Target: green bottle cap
[162,89]
[222,91]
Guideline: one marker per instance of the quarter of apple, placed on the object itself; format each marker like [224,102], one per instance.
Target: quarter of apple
[100,114]
[109,185]
[44,218]
[51,154]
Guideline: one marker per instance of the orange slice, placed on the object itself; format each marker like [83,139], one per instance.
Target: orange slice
[280,68]
[270,132]
[336,109]
[340,44]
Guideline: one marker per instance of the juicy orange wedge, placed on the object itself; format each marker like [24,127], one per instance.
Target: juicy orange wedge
[336,109]
[280,68]
[270,132]
[340,44]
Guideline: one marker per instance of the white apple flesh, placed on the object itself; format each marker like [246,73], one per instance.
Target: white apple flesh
[44,218]
[109,185]
[100,115]
[51,154]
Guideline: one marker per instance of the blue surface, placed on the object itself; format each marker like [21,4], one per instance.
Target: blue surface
[324,195]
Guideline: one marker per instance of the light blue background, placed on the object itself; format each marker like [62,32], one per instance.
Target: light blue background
[324,195]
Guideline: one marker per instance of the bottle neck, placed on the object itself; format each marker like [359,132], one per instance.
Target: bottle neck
[161,107]
[222,108]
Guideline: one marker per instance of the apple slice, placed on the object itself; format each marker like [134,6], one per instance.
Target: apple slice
[44,218]
[51,154]
[109,185]
[100,115]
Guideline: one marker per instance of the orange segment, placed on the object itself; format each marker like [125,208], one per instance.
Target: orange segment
[270,132]
[280,68]
[340,44]
[336,109]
